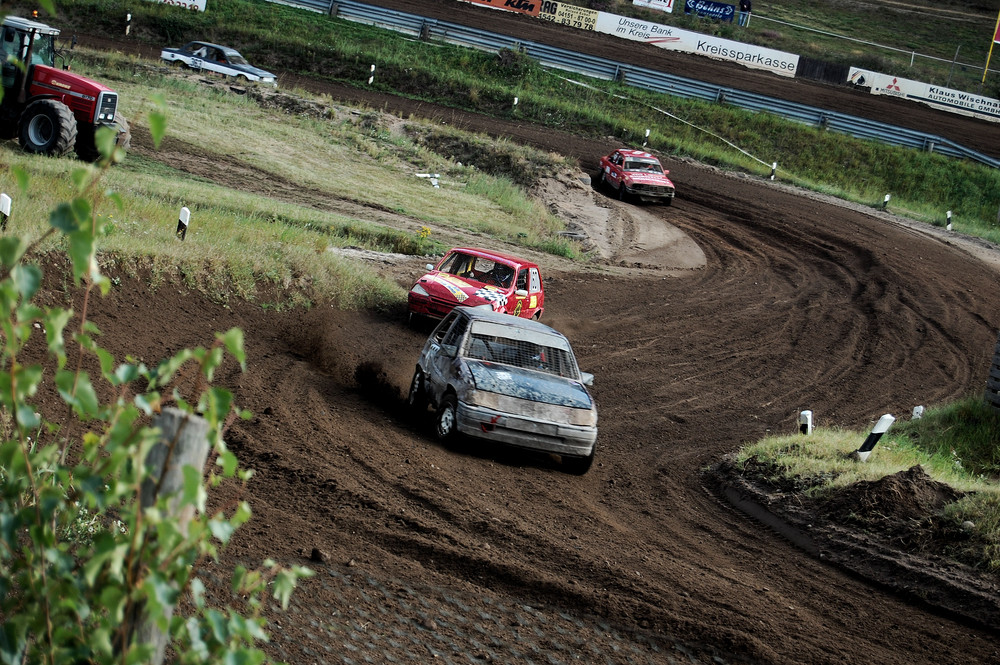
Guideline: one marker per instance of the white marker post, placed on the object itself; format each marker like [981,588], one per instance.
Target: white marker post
[646,140]
[885,201]
[4,211]
[128,24]
[881,427]
[372,77]
[948,225]
[774,168]
[182,222]
[806,422]
[918,413]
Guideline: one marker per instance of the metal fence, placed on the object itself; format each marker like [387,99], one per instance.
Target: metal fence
[639,77]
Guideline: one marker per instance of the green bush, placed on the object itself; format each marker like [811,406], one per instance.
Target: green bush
[88,574]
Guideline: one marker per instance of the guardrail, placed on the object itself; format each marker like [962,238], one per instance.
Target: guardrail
[639,77]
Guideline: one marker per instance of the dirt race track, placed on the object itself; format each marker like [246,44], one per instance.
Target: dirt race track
[425,554]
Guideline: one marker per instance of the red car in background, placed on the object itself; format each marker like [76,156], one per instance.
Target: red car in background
[473,277]
[636,173]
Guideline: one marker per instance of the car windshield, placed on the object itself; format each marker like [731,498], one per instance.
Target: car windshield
[235,58]
[479,269]
[643,165]
[542,353]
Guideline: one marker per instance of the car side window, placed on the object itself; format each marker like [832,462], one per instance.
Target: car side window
[536,281]
[456,332]
[522,280]
[442,328]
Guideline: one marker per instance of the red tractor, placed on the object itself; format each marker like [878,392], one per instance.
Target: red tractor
[51,111]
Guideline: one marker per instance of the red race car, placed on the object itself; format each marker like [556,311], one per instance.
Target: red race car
[478,278]
[636,173]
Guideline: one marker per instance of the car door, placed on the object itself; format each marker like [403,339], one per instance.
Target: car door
[442,361]
[213,62]
[196,58]
[518,303]
[614,174]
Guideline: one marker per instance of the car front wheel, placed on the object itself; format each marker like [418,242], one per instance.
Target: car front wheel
[446,423]
[578,465]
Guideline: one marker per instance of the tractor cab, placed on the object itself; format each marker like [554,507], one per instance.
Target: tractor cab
[16,39]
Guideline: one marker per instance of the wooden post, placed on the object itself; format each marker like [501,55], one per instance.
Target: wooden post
[183,442]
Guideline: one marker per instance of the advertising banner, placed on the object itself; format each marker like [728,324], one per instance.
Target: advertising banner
[529,7]
[945,99]
[565,14]
[659,5]
[675,39]
[196,5]
[720,11]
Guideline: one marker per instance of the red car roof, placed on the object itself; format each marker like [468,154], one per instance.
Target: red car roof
[490,254]
[637,153]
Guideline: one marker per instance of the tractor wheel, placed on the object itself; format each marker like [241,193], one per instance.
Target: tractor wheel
[47,127]
[86,146]
[124,140]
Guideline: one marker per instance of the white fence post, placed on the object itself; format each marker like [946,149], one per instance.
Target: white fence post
[4,211]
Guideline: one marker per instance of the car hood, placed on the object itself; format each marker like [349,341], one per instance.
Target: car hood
[447,287]
[256,71]
[649,178]
[528,384]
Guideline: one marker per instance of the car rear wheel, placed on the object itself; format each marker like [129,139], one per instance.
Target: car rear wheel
[417,398]
[446,422]
[47,127]
[578,465]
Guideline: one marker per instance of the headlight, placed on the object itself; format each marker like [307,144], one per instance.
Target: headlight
[418,290]
[482,398]
[584,417]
